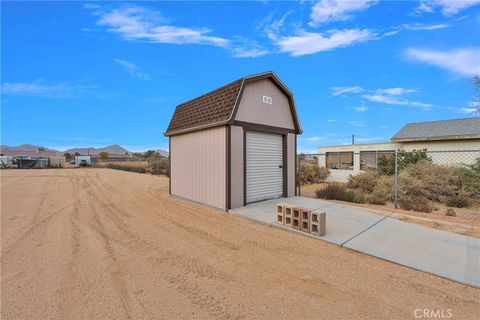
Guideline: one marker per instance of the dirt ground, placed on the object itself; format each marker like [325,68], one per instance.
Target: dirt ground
[461,225]
[107,244]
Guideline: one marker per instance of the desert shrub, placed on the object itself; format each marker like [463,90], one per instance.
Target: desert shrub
[127,168]
[412,194]
[310,172]
[458,201]
[451,212]
[364,181]
[386,163]
[453,186]
[339,191]
[158,167]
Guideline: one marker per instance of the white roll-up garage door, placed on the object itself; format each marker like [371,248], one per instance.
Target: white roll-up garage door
[264,156]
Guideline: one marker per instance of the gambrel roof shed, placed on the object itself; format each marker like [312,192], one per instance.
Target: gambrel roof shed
[218,106]
[236,144]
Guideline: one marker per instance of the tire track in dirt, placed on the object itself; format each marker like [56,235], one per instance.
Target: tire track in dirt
[201,298]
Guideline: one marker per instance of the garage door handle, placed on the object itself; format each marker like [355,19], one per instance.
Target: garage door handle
[280,166]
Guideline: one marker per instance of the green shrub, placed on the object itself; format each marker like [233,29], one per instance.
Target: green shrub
[310,172]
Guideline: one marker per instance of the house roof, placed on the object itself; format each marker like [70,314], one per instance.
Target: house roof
[455,129]
[218,106]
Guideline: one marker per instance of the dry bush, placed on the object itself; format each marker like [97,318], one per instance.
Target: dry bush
[365,181]
[453,186]
[126,168]
[310,172]
[412,194]
[339,191]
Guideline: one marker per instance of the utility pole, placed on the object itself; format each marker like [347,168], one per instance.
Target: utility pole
[353,138]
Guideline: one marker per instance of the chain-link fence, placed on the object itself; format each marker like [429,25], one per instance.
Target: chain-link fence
[446,182]
[155,166]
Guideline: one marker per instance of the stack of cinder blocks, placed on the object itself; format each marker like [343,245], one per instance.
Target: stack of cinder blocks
[303,219]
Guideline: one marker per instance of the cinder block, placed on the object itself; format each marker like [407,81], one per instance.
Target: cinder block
[305,226]
[280,218]
[281,207]
[318,227]
[296,223]
[288,210]
[296,212]
[288,221]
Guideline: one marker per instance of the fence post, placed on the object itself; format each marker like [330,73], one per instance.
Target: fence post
[395,182]
[299,163]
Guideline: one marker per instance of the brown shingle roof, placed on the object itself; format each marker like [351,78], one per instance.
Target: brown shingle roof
[215,106]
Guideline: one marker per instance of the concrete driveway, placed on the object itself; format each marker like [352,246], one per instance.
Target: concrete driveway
[446,254]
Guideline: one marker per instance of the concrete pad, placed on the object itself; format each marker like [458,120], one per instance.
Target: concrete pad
[343,222]
[446,254]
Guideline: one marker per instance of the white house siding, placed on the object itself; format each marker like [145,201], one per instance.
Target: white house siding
[453,152]
[467,155]
[340,175]
[198,166]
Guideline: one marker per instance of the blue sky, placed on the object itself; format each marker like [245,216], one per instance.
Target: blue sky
[98,73]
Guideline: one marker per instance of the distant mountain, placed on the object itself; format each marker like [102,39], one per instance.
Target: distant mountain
[28,148]
[163,153]
[42,151]
[113,149]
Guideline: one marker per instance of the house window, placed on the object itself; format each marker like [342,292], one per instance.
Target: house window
[267,99]
[369,159]
[340,160]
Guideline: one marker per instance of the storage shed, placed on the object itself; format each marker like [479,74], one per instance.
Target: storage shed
[235,145]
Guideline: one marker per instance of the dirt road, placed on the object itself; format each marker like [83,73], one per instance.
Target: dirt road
[106,244]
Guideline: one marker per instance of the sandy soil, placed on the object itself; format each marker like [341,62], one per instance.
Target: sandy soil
[461,225]
[107,244]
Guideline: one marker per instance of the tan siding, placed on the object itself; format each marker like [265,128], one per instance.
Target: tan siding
[236,178]
[291,164]
[252,109]
[198,162]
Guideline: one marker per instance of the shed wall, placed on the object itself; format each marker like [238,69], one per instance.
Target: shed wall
[198,166]
[291,158]
[252,109]
[236,166]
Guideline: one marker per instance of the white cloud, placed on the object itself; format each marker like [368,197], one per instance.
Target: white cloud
[463,61]
[331,120]
[133,69]
[136,23]
[357,123]
[336,91]
[382,127]
[360,109]
[316,138]
[395,91]
[448,7]
[40,89]
[386,99]
[469,110]
[427,27]
[310,42]
[336,10]
[246,48]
